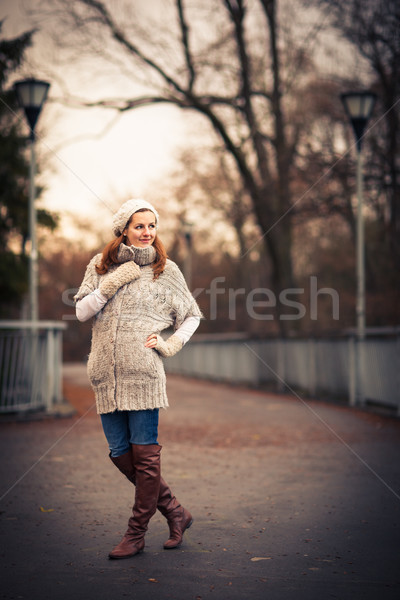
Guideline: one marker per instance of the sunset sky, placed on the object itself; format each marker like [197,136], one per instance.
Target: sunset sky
[91,161]
[85,171]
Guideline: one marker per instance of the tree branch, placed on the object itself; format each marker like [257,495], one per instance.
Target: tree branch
[261,94]
[120,104]
[123,104]
[280,139]
[185,41]
[118,35]
[235,151]
[237,13]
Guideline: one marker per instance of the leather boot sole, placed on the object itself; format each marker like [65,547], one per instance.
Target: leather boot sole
[126,549]
[111,557]
[133,553]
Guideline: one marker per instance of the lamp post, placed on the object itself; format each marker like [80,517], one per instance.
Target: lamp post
[358,107]
[187,267]
[31,95]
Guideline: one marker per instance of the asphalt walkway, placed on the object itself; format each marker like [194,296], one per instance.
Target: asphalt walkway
[292,500]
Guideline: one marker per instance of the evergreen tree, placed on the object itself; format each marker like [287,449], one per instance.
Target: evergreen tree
[14,184]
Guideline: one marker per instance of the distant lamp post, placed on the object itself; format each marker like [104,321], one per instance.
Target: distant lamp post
[31,95]
[187,267]
[358,107]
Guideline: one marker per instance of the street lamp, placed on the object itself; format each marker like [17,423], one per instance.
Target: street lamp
[358,107]
[31,95]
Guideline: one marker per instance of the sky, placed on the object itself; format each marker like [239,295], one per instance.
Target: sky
[84,170]
[91,163]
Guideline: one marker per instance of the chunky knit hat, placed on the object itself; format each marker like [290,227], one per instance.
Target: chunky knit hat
[124,213]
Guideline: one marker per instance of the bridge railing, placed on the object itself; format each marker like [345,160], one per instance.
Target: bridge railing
[366,371]
[30,365]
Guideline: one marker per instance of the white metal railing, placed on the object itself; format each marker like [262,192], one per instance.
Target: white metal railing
[30,365]
[361,371]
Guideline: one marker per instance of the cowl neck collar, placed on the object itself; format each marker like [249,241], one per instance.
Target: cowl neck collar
[141,256]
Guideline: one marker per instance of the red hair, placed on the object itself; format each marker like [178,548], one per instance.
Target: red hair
[110,255]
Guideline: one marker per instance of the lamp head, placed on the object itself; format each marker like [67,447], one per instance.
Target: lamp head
[358,107]
[31,95]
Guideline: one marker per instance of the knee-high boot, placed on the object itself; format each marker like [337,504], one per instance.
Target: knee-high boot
[179,519]
[146,464]
[124,463]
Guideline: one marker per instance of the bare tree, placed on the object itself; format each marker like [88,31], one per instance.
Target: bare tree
[224,61]
[373,27]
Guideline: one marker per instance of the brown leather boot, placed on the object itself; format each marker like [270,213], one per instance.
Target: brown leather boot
[146,463]
[166,501]
[178,522]
[125,465]
[179,519]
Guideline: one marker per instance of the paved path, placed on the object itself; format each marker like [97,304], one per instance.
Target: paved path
[292,501]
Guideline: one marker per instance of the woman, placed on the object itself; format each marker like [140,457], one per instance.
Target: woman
[134,291]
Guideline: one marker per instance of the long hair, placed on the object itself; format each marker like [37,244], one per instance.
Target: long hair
[110,254]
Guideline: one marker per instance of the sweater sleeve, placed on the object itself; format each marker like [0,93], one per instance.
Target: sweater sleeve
[90,280]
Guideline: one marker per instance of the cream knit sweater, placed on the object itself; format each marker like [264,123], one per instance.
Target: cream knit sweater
[124,374]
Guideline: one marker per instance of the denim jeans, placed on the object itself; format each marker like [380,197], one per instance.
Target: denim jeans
[126,427]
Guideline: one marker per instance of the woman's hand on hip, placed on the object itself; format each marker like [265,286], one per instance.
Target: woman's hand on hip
[151,341]
[167,347]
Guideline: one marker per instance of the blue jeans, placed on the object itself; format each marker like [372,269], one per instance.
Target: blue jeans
[126,427]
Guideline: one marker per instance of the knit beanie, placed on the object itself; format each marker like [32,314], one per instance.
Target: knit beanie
[124,213]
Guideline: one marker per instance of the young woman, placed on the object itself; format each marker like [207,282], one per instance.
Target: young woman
[135,292]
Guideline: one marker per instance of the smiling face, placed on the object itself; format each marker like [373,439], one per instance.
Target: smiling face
[141,231]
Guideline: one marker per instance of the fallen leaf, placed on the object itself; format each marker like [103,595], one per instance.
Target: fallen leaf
[46,509]
[153,580]
[257,558]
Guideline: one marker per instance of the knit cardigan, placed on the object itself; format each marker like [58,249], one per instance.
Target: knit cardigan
[124,374]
